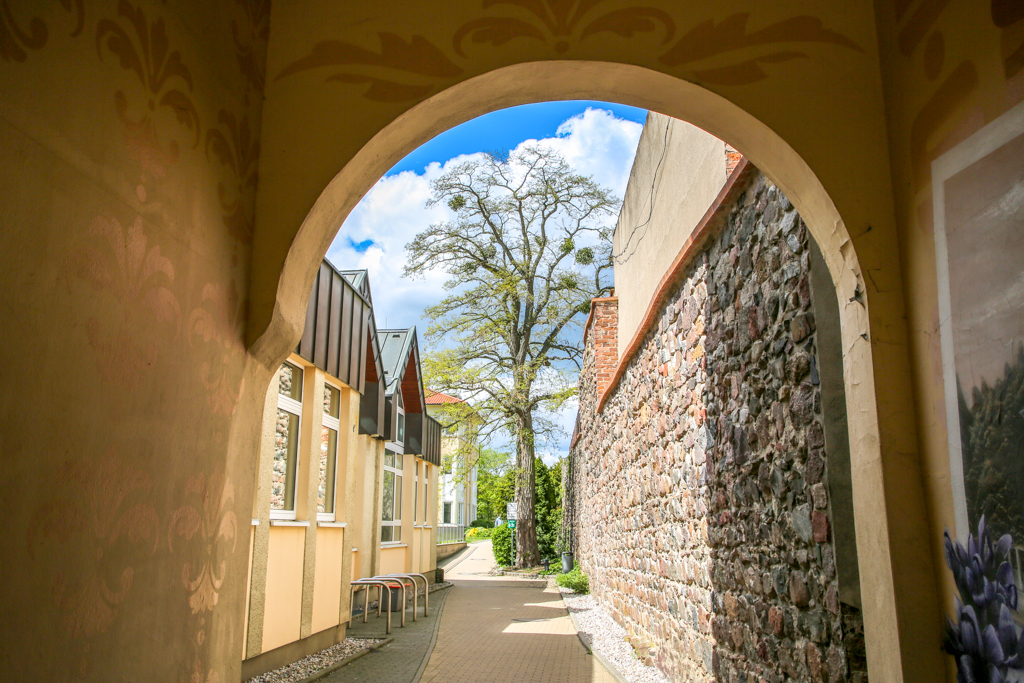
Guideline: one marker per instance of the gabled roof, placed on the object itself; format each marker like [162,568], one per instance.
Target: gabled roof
[436,398]
[339,336]
[399,352]
[360,280]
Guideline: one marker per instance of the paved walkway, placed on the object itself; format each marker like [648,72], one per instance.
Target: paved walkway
[491,629]
[401,660]
[508,630]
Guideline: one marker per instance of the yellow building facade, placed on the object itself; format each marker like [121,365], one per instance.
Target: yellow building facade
[344,490]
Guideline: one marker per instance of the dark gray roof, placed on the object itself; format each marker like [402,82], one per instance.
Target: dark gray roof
[360,280]
[395,346]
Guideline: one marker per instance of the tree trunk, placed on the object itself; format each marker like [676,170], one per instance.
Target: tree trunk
[527,554]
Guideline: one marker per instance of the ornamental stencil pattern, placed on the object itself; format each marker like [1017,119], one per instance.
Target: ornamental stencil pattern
[112,528]
[197,531]
[16,38]
[725,53]
[137,277]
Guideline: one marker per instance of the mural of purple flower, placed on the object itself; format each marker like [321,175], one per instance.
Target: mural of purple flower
[983,639]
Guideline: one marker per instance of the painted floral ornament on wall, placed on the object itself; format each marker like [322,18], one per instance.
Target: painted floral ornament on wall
[983,639]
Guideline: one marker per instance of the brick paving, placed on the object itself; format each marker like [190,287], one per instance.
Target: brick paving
[399,661]
[512,631]
[491,629]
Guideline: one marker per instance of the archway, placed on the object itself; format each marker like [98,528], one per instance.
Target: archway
[270,340]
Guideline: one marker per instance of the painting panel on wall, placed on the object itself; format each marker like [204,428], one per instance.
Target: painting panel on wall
[978,190]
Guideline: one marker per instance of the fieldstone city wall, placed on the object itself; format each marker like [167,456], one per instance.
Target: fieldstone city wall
[700,503]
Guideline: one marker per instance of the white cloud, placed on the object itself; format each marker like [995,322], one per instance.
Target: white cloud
[394,211]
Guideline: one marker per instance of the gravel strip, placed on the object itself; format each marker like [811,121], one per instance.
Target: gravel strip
[307,666]
[608,638]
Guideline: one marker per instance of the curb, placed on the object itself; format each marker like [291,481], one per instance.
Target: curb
[348,660]
[433,636]
[585,641]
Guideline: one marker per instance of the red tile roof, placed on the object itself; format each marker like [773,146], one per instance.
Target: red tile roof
[436,398]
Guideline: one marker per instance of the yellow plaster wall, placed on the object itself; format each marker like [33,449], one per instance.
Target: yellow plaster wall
[129,140]
[392,561]
[283,609]
[327,591]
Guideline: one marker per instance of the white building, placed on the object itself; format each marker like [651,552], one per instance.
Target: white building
[457,487]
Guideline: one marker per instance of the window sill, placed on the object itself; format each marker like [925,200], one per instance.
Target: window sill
[386,546]
[255,522]
[287,522]
[336,525]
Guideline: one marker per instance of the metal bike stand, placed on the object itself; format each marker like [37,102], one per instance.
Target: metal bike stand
[426,592]
[401,584]
[366,599]
[407,577]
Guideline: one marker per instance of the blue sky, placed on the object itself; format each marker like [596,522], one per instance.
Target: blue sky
[505,129]
[599,139]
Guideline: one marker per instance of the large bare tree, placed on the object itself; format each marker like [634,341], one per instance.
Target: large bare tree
[527,250]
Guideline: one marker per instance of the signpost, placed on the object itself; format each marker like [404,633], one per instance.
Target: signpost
[511,512]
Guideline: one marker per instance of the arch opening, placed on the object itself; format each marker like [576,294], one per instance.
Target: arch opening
[272,337]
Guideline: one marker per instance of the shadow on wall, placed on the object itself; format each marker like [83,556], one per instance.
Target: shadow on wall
[718,525]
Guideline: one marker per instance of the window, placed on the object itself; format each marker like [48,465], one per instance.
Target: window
[416,492]
[325,494]
[462,513]
[447,518]
[286,442]
[400,431]
[391,496]
[426,492]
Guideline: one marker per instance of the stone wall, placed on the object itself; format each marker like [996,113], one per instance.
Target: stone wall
[707,524]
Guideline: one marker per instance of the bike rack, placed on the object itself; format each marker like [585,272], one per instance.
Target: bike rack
[366,599]
[391,582]
[415,590]
[426,592]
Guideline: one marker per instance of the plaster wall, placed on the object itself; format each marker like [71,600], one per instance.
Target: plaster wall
[329,586]
[392,560]
[283,611]
[676,175]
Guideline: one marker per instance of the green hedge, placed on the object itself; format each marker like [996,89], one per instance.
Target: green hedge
[501,538]
[480,524]
[575,580]
[477,534]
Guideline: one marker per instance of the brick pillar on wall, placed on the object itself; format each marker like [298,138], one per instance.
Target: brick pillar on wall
[606,339]
[732,159]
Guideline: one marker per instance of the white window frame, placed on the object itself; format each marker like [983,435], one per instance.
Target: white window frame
[426,492]
[416,492]
[395,523]
[399,418]
[290,405]
[449,509]
[334,423]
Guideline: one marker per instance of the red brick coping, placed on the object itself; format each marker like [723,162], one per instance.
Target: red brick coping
[707,227]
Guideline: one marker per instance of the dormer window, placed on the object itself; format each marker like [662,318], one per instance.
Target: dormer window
[400,410]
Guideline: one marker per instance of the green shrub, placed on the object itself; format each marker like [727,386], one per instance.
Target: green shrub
[478,534]
[501,538]
[575,580]
[480,524]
